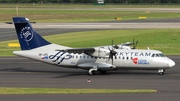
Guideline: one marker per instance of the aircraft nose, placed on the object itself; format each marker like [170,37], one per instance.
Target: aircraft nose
[171,63]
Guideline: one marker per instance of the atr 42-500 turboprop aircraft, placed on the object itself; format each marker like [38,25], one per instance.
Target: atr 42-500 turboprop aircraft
[93,59]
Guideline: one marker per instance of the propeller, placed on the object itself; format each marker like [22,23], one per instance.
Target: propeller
[112,53]
[134,44]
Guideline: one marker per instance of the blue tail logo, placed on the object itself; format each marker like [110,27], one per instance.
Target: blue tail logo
[28,38]
[26,33]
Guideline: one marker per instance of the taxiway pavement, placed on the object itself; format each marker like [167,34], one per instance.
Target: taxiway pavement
[22,72]
[8,30]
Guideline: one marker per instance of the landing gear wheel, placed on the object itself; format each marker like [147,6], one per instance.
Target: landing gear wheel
[91,73]
[93,70]
[161,73]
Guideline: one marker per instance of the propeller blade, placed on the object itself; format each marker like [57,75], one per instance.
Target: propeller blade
[112,59]
[112,44]
[134,44]
[112,52]
[109,49]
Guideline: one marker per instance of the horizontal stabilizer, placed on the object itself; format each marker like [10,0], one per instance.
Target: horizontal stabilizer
[13,23]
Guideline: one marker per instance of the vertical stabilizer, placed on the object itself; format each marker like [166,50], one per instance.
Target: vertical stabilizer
[28,38]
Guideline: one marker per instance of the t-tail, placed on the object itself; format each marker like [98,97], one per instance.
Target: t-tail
[28,38]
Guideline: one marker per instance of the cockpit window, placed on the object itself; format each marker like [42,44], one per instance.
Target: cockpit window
[162,55]
[153,55]
[158,55]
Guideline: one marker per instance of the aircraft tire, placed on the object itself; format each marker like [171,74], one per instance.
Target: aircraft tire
[161,73]
[91,73]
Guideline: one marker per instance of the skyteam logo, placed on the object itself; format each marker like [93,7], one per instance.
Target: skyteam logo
[138,61]
[26,33]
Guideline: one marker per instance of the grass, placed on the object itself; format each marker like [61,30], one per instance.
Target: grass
[165,40]
[11,90]
[75,13]
[90,5]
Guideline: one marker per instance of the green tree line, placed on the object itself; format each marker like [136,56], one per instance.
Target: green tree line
[93,1]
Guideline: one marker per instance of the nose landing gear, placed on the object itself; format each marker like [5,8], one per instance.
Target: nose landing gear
[161,71]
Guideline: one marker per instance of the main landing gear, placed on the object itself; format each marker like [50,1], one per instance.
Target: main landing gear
[93,70]
[161,71]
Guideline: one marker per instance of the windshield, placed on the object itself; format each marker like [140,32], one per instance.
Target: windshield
[158,55]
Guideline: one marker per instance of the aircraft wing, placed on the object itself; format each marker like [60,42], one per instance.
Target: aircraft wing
[87,51]
[12,22]
[96,52]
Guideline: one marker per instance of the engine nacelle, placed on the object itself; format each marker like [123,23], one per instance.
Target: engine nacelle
[106,66]
[124,47]
[99,52]
[99,66]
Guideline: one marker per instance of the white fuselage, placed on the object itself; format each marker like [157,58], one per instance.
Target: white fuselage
[125,59]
